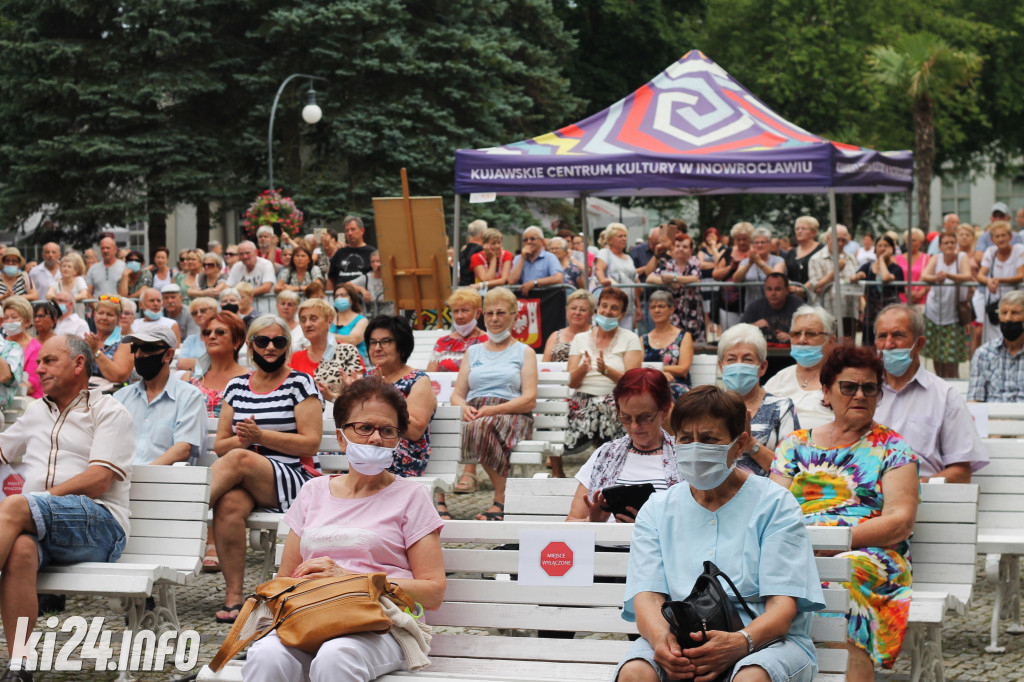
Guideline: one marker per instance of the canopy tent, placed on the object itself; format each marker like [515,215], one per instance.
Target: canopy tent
[691,130]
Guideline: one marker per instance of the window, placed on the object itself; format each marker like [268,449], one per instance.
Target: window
[1010,190]
[956,196]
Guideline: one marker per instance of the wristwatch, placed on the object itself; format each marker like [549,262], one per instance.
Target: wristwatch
[534,282]
[750,641]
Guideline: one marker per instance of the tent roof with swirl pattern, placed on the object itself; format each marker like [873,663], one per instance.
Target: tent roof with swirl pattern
[691,130]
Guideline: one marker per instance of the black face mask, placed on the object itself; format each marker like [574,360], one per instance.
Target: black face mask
[148,366]
[230,308]
[1011,330]
[268,366]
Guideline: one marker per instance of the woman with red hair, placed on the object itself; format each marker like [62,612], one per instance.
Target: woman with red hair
[643,401]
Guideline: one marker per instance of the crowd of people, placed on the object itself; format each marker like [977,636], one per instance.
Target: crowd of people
[843,436]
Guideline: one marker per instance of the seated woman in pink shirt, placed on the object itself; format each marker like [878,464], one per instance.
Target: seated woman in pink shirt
[365,521]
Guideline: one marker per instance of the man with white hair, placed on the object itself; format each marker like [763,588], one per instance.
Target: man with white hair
[151,303]
[267,241]
[251,268]
[47,273]
[821,279]
[69,321]
[474,245]
[535,266]
[928,412]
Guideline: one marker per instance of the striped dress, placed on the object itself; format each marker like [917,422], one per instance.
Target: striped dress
[275,411]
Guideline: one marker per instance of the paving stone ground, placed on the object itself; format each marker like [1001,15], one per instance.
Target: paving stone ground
[963,639]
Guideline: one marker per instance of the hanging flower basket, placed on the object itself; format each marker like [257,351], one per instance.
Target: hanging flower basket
[269,208]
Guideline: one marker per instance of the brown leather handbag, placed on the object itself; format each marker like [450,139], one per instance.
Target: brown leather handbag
[307,612]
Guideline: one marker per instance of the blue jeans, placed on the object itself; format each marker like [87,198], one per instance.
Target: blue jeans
[74,528]
[784,661]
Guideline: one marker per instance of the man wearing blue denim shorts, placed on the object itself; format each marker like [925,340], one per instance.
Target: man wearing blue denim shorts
[77,452]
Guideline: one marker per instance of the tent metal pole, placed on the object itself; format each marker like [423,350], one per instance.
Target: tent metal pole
[585,229]
[455,242]
[837,292]
[909,274]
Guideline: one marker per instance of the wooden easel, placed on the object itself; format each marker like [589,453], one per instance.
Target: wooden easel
[411,286]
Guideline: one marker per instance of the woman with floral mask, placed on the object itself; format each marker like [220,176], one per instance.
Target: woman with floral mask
[853,471]
[388,526]
[349,325]
[597,360]
[811,334]
[267,438]
[742,359]
[754,532]
[464,304]
[497,391]
[17,323]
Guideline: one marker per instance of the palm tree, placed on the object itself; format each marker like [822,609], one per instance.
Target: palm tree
[926,69]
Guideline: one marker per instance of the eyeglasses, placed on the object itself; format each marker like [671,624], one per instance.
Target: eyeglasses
[806,335]
[199,311]
[231,254]
[850,388]
[529,239]
[366,430]
[262,342]
[383,343]
[639,420]
[220,331]
[148,348]
[209,265]
[496,313]
[112,299]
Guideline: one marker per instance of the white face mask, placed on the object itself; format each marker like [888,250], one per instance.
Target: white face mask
[703,465]
[464,330]
[499,337]
[369,460]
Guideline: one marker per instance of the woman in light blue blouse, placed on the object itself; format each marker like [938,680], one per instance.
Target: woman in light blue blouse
[497,390]
[751,528]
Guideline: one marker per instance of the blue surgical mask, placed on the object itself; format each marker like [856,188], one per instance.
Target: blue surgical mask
[703,465]
[606,323]
[134,265]
[11,270]
[150,315]
[63,308]
[342,304]
[897,361]
[740,377]
[806,356]
[11,328]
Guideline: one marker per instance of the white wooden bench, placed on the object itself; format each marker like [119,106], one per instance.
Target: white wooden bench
[164,550]
[943,550]
[475,600]
[1001,531]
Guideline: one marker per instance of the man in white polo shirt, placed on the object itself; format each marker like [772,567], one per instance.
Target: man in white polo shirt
[152,306]
[259,272]
[77,469]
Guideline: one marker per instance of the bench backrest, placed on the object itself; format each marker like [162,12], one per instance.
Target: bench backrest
[1004,419]
[943,544]
[1001,504]
[475,599]
[169,506]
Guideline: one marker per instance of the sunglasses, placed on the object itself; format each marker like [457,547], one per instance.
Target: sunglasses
[112,299]
[366,430]
[639,420]
[220,331]
[262,342]
[209,265]
[134,260]
[850,388]
[231,254]
[199,311]
[148,348]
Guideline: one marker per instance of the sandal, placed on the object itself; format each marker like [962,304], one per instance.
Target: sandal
[443,513]
[211,564]
[492,515]
[466,484]
[232,612]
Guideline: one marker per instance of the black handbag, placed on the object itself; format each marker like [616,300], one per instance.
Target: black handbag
[992,311]
[707,608]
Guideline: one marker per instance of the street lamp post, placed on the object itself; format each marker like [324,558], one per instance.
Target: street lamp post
[311,113]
